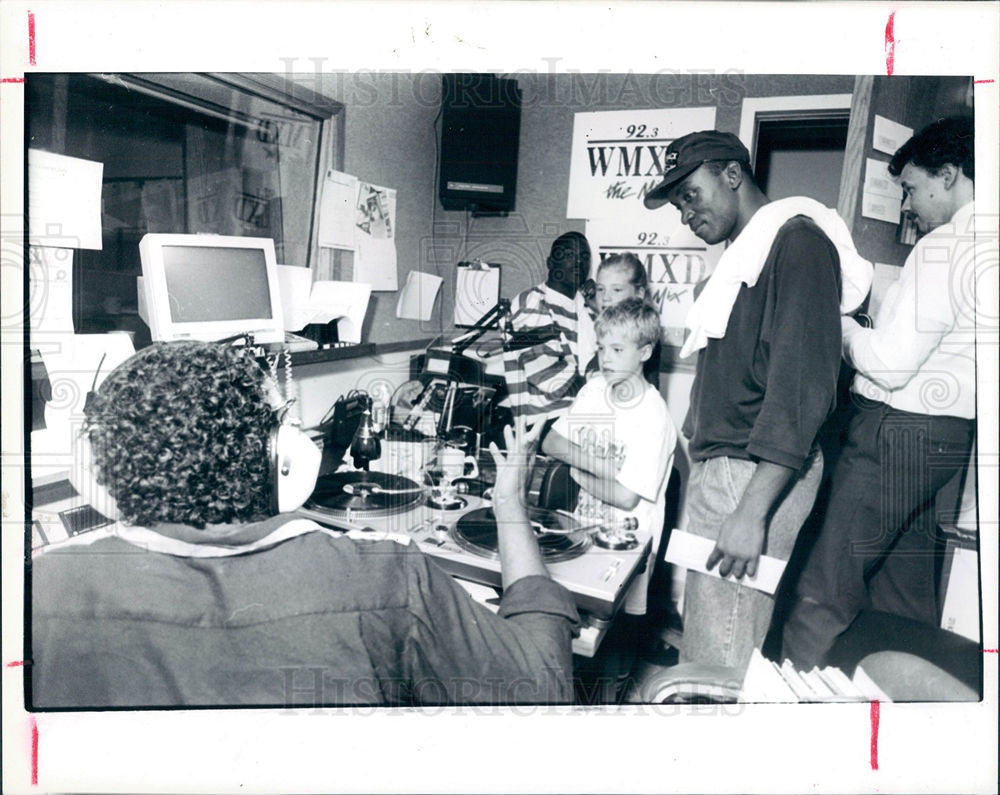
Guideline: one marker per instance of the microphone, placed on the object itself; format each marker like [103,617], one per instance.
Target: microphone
[414,417]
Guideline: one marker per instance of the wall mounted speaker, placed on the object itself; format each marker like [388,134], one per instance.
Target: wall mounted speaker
[481,127]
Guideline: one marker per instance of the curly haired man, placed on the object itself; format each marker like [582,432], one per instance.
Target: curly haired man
[199,594]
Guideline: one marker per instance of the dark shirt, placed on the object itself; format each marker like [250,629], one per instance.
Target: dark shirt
[763,390]
[311,620]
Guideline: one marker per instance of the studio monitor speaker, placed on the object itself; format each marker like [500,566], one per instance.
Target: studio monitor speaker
[481,126]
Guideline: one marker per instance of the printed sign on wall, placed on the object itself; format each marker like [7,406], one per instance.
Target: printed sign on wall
[675,261]
[617,157]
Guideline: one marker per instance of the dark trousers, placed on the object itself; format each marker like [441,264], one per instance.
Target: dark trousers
[878,545]
[605,677]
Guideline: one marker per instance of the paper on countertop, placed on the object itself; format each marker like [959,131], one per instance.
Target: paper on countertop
[71,366]
[64,200]
[690,551]
[304,301]
[870,690]
[888,135]
[416,299]
[295,284]
[764,683]
[50,291]
[337,210]
[347,301]
[477,290]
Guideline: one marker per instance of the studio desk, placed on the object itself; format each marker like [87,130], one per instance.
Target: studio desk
[598,578]
[462,540]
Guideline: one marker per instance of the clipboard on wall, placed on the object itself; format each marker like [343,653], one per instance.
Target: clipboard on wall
[477,290]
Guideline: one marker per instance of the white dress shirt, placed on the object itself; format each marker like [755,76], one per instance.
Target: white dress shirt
[920,354]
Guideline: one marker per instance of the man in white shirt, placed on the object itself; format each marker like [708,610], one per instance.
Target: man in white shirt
[914,416]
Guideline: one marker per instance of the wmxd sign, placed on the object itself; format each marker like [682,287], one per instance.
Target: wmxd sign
[617,158]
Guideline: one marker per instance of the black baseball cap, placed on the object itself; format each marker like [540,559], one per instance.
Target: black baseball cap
[686,153]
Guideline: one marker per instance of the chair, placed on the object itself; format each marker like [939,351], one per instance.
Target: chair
[557,489]
[687,683]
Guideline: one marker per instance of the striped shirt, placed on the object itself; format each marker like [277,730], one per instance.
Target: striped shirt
[542,379]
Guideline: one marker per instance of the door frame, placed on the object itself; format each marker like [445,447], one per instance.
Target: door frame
[763,106]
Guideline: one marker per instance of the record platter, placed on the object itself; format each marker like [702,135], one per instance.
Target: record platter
[359,496]
[476,532]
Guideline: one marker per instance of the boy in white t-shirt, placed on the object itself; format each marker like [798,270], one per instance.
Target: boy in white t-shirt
[619,439]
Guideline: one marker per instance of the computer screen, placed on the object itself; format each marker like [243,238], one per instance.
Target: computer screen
[216,283]
[209,287]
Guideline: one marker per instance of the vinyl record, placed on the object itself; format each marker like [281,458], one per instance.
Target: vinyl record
[363,494]
[476,532]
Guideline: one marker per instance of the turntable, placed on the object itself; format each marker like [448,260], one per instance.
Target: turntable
[464,541]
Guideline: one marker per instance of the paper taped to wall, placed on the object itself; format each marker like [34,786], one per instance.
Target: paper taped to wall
[64,200]
[416,299]
[477,290]
[336,210]
[375,237]
[881,198]
[888,135]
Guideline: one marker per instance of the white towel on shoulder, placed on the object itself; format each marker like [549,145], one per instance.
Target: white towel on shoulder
[743,260]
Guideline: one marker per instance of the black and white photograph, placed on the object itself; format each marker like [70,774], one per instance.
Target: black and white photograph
[373,419]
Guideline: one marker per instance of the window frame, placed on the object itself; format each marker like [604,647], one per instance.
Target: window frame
[268,86]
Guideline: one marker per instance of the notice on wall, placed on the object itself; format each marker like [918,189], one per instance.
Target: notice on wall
[374,236]
[617,157]
[337,210]
[477,290]
[882,197]
[888,136]
[416,299]
[675,261]
[64,200]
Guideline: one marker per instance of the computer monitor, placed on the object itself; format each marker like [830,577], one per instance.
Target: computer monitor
[209,287]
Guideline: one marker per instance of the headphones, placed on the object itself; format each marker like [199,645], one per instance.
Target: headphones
[293,466]
[293,458]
